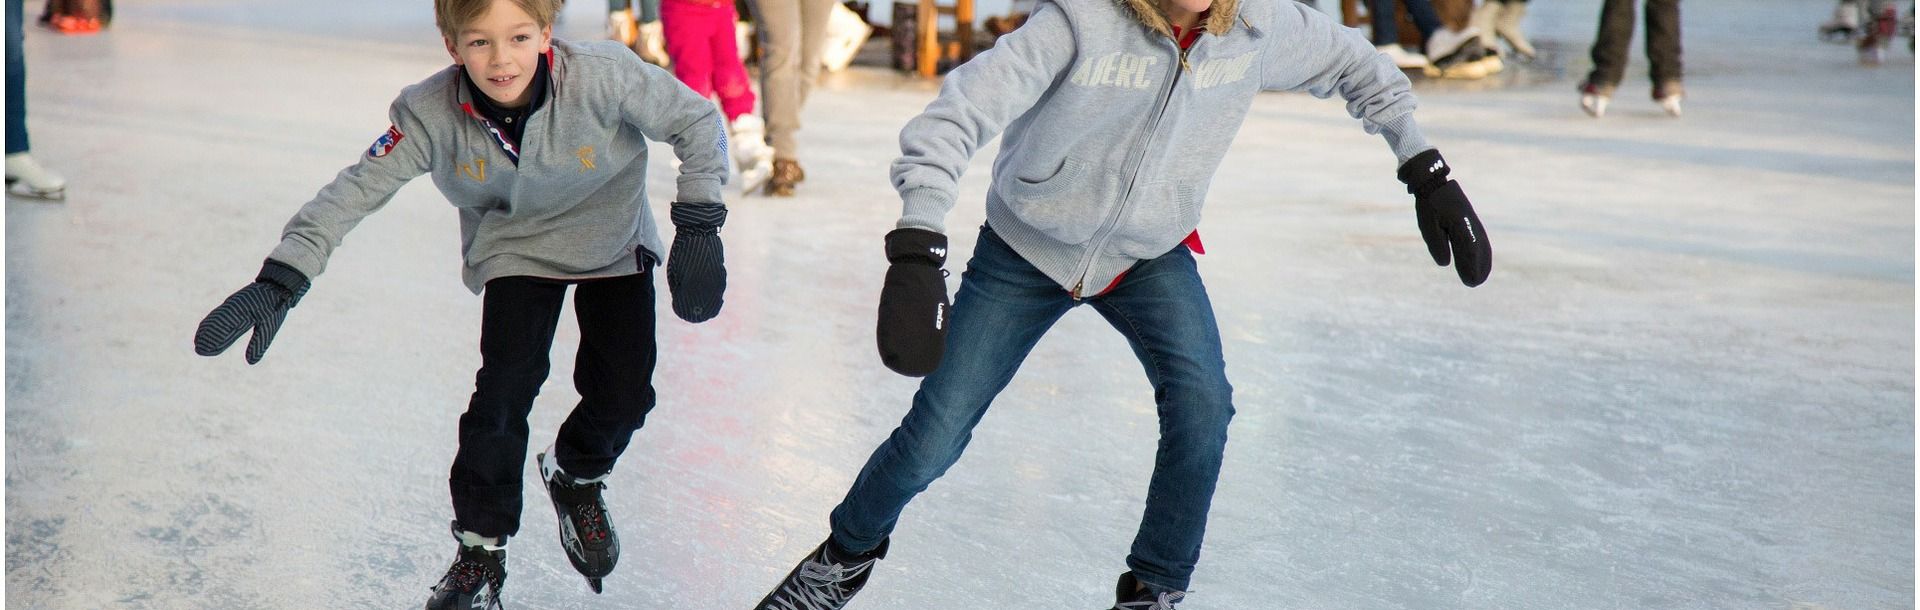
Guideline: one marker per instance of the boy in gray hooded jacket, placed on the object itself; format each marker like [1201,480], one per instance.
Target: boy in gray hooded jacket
[541,145]
[1115,114]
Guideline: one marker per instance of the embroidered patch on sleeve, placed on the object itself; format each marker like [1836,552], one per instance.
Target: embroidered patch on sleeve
[386,142]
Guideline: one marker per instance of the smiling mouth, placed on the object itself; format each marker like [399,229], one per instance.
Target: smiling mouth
[502,80]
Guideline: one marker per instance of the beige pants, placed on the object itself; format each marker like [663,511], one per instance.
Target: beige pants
[792,34]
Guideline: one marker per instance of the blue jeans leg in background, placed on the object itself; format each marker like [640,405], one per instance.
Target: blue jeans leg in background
[16,83]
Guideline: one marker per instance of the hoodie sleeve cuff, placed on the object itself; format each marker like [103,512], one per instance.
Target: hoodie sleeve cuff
[1403,135]
[699,188]
[925,208]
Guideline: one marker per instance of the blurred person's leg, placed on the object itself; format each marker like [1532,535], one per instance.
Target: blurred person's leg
[1610,44]
[778,24]
[730,80]
[1386,36]
[814,16]
[687,33]
[1663,39]
[20,166]
[16,83]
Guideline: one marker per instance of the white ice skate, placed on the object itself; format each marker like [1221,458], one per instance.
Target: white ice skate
[846,31]
[652,45]
[622,26]
[1668,95]
[1401,58]
[748,139]
[1593,99]
[36,181]
[1844,25]
[1445,42]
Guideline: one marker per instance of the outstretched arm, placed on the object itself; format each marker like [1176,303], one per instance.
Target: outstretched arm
[978,99]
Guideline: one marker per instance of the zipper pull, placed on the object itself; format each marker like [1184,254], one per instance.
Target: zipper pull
[1075,293]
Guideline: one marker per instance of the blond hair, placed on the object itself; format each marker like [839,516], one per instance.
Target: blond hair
[452,15]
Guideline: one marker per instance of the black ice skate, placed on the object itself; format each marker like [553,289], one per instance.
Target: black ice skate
[586,530]
[1129,595]
[475,578]
[825,580]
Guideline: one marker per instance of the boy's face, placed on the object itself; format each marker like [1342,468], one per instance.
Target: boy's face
[501,49]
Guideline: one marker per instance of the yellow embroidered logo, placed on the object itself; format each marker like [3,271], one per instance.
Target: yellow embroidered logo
[586,158]
[477,171]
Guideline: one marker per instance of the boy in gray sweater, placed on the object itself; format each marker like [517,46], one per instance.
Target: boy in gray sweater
[542,147]
[1115,114]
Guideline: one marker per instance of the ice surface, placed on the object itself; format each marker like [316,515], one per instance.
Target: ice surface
[1688,384]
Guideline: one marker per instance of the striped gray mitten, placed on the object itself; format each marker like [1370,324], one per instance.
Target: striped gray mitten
[260,307]
[696,265]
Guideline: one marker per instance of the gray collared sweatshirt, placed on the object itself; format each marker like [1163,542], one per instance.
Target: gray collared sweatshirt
[1112,134]
[574,207]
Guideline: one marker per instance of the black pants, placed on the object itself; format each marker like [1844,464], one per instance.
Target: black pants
[1616,31]
[613,372]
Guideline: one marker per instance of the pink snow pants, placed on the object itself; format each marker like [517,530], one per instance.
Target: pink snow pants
[700,40]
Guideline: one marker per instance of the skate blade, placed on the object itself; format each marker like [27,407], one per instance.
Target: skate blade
[16,189]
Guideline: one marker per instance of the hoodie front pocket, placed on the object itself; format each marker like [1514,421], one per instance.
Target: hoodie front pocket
[1160,215]
[1053,206]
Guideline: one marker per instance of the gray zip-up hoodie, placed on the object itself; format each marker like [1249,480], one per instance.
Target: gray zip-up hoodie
[575,204]
[1112,133]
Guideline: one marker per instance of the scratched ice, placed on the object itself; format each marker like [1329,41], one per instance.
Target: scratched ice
[1689,383]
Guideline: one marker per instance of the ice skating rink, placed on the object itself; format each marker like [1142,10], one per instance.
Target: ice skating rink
[1688,384]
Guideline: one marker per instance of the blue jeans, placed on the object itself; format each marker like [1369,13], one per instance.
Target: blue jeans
[1386,28]
[16,83]
[1003,307]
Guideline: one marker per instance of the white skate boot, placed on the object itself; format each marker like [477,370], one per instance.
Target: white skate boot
[36,181]
[1594,99]
[1403,59]
[754,159]
[652,45]
[1668,95]
[1844,25]
[622,26]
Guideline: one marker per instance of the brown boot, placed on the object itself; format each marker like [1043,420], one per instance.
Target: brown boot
[786,174]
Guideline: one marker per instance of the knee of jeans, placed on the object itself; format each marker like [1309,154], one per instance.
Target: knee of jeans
[1201,408]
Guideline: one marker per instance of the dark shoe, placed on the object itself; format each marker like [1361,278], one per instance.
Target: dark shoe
[786,174]
[1129,594]
[586,530]
[825,580]
[475,578]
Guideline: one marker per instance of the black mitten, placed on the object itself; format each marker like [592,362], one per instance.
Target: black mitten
[913,303]
[260,307]
[1453,232]
[696,264]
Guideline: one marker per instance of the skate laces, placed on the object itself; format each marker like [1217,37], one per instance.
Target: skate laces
[469,572]
[1163,601]
[588,516]
[818,585]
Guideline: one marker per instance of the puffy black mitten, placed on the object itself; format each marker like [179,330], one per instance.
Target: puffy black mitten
[913,303]
[1446,218]
[696,264]
[260,307]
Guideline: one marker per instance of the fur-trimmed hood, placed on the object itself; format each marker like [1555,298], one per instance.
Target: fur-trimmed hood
[1220,18]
